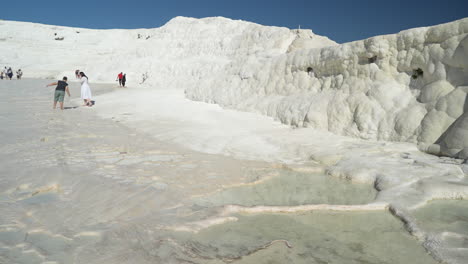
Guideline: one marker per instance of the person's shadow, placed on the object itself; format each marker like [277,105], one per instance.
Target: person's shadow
[70,107]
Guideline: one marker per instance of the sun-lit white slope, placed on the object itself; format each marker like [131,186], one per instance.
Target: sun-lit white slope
[34,48]
[177,54]
[410,86]
[200,49]
[186,50]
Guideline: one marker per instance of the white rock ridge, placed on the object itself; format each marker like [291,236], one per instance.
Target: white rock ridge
[174,55]
[410,86]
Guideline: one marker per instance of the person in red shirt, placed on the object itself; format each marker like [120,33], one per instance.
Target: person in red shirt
[120,76]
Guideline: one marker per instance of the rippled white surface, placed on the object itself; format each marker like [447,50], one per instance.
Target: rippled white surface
[76,188]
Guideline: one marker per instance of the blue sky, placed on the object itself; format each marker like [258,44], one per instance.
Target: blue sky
[340,20]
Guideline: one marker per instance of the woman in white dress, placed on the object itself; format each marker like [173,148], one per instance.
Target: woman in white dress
[85,90]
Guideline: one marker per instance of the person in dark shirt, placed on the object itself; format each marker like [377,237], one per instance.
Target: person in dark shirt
[124,79]
[62,87]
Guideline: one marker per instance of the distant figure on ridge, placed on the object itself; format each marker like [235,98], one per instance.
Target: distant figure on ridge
[124,79]
[62,87]
[5,72]
[120,76]
[85,90]
[19,73]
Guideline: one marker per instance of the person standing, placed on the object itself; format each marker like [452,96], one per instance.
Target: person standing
[19,73]
[62,87]
[10,73]
[120,76]
[85,90]
[124,79]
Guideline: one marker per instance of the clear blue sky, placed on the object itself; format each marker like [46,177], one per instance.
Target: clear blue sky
[340,20]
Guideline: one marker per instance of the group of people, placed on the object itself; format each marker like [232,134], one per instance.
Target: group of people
[7,73]
[122,77]
[62,88]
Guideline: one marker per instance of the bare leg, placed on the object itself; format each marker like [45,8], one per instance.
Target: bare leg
[55,104]
[61,105]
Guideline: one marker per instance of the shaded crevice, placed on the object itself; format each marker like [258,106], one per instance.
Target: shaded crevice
[417,73]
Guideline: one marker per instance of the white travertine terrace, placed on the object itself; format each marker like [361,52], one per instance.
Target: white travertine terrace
[409,86]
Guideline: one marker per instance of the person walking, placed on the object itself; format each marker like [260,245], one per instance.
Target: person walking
[59,95]
[124,79]
[85,90]
[19,73]
[119,76]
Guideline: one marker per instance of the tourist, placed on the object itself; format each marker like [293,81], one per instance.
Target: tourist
[119,76]
[85,90]
[124,79]
[10,73]
[19,73]
[62,87]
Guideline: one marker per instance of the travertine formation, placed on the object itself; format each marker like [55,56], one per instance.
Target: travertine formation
[409,86]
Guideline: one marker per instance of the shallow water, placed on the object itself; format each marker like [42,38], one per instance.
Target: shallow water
[312,237]
[444,216]
[446,221]
[291,188]
[309,237]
